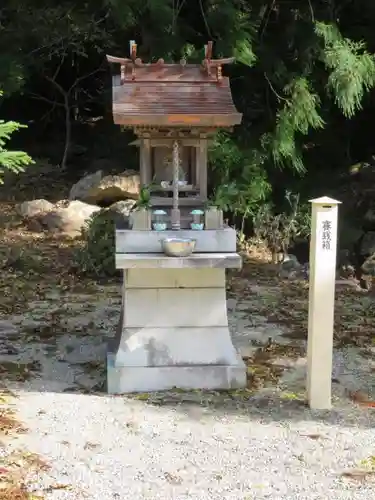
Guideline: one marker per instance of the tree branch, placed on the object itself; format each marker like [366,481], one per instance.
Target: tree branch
[83,77]
[311,11]
[278,96]
[56,85]
[59,67]
[205,19]
[44,99]
[266,18]
[49,112]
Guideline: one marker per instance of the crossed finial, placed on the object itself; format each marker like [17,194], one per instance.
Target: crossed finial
[135,62]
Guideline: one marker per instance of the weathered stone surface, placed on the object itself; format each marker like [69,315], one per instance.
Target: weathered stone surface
[117,213]
[290,268]
[69,219]
[85,185]
[368,267]
[141,241]
[34,207]
[96,189]
[368,243]
[184,340]
[120,212]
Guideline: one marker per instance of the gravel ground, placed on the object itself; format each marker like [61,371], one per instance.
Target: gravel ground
[182,445]
[106,448]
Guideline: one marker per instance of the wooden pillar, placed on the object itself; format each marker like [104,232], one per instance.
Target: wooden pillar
[202,167]
[176,216]
[145,172]
[321,301]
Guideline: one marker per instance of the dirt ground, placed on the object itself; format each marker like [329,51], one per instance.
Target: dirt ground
[54,324]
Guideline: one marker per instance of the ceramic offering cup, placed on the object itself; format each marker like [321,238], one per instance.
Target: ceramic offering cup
[159,223]
[197,224]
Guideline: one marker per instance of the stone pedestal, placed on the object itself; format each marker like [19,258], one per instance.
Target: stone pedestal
[173,330]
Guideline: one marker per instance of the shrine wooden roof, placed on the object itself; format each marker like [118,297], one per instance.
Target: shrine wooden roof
[172,95]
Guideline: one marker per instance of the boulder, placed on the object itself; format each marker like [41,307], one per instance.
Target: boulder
[120,212]
[96,189]
[117,214]
[368,267]
[69,219]
[367,243]
[344,264]
[290,268]
[85,185]
[34,207]
[369,218]
[301,250]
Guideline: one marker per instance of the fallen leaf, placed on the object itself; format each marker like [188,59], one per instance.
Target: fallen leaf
[369,404]
[313,436]
[292,396]
[357,474]
[358,397]
[91,446]
[172,478]
[369,463]
[142,396]
[13,492]
[53,487]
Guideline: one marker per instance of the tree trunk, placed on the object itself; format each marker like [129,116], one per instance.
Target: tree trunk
[68,122]
[68,132]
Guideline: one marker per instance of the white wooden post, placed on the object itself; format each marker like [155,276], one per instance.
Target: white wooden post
[323,245]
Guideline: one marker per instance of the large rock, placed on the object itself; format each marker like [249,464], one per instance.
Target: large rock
[120,212]
[368,267]
[68,219]
[367,244]
[96,189]
[34,207]
[290,268]
[85,185]
[117,214]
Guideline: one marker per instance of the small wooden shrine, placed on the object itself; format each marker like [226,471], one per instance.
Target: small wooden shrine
[164,103]
[173,329]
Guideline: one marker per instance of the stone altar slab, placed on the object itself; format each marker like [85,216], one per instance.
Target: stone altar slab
[159,260]
[214,240]
[173,330]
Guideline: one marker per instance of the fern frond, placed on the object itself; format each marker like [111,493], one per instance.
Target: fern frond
[14,161]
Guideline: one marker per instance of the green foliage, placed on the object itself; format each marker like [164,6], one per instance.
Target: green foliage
[279,231]
[224,196]
[241,181]
[293,70]
[13,161]
[298,115]
[244,53]
[97,256]
[233,27]
[50,38]
[352,68]
[144,198]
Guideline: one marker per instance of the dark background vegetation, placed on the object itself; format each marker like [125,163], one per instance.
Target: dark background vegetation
[303,80]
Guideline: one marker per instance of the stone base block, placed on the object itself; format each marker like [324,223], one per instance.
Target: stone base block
[125,379]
